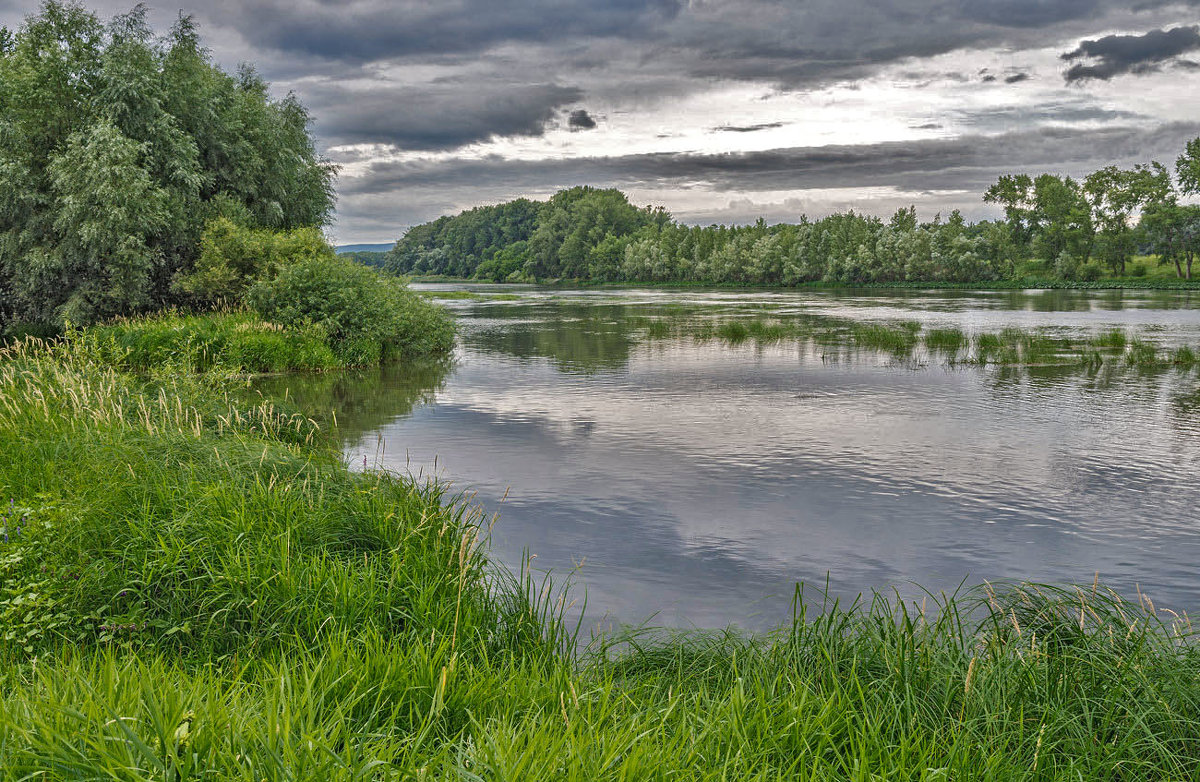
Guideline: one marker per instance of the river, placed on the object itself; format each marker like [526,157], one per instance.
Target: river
[693,483]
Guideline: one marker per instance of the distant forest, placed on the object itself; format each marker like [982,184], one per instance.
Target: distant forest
[1053,226]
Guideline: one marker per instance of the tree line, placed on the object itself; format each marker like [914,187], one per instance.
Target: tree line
[1053,225]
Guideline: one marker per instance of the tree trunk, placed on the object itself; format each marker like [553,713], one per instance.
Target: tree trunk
[1191,254]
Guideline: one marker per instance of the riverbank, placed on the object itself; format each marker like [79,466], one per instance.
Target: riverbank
[1025,283]
[197,587]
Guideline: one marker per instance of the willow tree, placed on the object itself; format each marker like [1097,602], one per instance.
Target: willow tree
[116,148]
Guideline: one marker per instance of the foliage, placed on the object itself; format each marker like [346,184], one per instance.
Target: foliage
[366,316]
[116,147]
[456,245]
[236,342]
[233,257]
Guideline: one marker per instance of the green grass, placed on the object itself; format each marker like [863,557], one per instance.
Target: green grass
[946,340]
[469,295]
[193,587]
[897,339]
[239,342]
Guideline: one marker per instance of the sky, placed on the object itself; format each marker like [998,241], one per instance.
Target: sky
[720,110]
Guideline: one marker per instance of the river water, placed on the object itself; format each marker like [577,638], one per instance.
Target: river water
[693,483]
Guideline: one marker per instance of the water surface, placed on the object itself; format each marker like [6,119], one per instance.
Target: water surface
[693,483]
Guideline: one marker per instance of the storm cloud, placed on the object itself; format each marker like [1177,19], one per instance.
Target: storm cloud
[579,119]
[712,107]
[967,162]
[1114,55]
[440,115]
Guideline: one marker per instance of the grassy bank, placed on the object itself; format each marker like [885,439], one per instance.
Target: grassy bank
[244,342]
[196,588]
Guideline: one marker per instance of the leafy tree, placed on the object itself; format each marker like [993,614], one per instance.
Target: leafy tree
[1015,193]
[1063,220]
[116,147]
[1114,194]
[1187,168]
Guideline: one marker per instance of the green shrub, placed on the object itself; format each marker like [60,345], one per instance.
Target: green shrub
[366,316]
[1067,266]
[233,257]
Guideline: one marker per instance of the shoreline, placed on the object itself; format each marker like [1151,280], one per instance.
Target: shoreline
[1024,284]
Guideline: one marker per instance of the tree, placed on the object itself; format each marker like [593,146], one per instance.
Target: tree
[1114,194]
[117,147]
[1187,168]
[1014,192]
[233,257]
[1063,219]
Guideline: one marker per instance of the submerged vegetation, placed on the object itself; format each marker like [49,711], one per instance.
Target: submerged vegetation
[903,339]
[194,586]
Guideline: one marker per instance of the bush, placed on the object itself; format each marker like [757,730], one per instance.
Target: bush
[1090,272]
[232,257]
[1067,266]
[366,316]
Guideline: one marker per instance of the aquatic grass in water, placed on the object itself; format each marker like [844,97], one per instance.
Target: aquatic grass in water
[900,339]
[945,340]
[1113,338]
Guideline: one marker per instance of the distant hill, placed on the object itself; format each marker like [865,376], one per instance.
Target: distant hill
[364,248]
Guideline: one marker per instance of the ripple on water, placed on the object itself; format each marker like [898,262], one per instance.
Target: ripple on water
[698,481]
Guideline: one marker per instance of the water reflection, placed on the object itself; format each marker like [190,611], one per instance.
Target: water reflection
[360,400]
[698,481]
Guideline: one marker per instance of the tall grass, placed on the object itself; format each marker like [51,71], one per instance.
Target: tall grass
[192,589]
[236,341]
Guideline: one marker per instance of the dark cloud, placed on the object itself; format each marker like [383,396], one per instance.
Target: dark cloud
[1114,55]
[579,119]
[1028,13]
[747,128]
[962,163]
[366,30]
[937,175]
[441,115]
[1016,117]
[1016,78]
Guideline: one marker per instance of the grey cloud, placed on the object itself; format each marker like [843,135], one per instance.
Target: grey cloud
[366,30]
[747,128]
[579,119]
[1028,13]
[1114,55]
[441,115]
[1014,117]
[963,163]
[1016,78]
[936,175]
